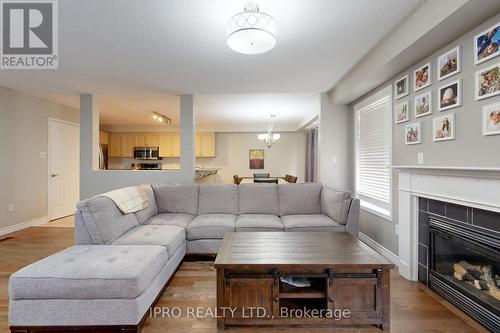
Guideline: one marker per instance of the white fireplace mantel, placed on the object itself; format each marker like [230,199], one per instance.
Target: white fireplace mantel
[474,187]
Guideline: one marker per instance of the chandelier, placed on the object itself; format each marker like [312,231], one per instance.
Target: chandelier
[269,138]
[251,31]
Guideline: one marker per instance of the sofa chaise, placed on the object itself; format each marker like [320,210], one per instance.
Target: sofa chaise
[121,263]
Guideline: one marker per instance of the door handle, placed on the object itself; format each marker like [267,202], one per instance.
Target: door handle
[54,175]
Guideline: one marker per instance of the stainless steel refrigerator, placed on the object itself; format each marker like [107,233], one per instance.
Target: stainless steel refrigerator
[103,157]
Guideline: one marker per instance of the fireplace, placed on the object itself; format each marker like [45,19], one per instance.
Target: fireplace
[464,267]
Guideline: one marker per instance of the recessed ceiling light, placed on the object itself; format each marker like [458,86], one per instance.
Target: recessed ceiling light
[251,32]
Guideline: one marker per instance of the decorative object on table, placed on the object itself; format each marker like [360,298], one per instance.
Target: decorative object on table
[261,175]
[401,113]
[413,133]
[487,44]
[401,87]
[449,63]
[251,31]
[204,172]
[266,180]
[443,127]
[270,138]
[422,77]
[491,119]
[450,95]
[488,81]
[296,281]
[423,104]
[256,157]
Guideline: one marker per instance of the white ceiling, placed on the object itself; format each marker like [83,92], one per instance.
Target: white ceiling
[156,48]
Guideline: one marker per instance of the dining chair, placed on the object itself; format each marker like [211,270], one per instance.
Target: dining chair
[237,180]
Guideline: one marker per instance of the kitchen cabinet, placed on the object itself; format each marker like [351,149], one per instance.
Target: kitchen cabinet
[205,144]
[121,144]
[169,144]
[152,139]
[140,139]
[103,138]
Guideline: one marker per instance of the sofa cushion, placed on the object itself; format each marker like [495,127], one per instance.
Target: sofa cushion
[145,214]
[170,236]
[176,198]
[210,226]
[259,222]
[299,198]
[335,204]
[258,199]
[90,272]
[180,220]
[104,221]
[218,198]
[310,222]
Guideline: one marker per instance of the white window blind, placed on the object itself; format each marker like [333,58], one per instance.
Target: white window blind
[373,137]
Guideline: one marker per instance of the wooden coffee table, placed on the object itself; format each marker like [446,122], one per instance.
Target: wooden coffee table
[349,282]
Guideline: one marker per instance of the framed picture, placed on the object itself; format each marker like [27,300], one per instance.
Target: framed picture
[401,113]
[488,82]
[423,104]
[443,127]
[450,96]
[412,133]
[449,63]
[401,87]
[422,77]
[491,119]
[256,157]
[486,44]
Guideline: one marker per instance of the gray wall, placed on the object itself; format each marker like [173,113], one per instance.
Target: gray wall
[469,149]
[23,135]
[94,181]
[335,145]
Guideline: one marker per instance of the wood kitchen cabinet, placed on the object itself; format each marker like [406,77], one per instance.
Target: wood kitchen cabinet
[205,144]
[121,144]
[169,144]
[103,138]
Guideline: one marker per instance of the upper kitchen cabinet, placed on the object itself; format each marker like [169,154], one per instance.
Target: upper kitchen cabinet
[103,138]
[121,144]
[205,144]
[169,144]
[146,139]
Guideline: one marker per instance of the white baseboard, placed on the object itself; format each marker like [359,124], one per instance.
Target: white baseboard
[379,248]
[24,225]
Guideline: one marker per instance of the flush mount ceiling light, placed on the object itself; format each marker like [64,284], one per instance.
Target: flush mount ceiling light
[269,138]
[251,32]
[161,118]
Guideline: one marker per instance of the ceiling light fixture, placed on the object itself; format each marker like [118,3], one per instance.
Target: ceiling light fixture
[161,118]
[251,31]
[269,138]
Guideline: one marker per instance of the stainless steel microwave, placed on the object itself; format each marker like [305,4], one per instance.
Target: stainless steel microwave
[147,153]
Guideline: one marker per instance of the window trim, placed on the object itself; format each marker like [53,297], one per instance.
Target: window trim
[386,91]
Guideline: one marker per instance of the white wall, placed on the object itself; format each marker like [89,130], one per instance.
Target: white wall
[285,157]
[23,174]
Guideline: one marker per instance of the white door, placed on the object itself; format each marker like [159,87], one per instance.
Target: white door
[64,162]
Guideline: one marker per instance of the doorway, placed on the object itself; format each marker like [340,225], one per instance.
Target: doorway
[63,168]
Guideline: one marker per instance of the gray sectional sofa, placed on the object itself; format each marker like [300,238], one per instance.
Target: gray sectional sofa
[121,263]
[201,214]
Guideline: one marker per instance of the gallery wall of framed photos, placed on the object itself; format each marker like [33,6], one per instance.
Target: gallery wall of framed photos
[447,105]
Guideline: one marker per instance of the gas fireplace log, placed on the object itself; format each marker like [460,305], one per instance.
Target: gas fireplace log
[480,277]
[491,285]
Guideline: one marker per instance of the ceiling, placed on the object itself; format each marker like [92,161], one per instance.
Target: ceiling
[138,56]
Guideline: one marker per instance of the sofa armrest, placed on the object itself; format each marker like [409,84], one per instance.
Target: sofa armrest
[82,234]
[352,225]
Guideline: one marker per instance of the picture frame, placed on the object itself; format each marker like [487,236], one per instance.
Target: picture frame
[487,82]
[450,95]
[422,77]
[256,158]
[449,63]
[422,105]
[487,44]
[443,127]
[401,112]
[401,87]
[491,119]
[413,133]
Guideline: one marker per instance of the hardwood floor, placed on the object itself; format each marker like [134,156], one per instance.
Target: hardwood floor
[413,308]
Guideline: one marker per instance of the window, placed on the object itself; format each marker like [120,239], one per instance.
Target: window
[373,145]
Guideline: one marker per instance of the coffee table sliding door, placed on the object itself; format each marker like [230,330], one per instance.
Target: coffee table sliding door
[251,297]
